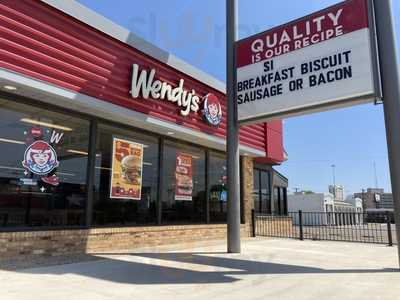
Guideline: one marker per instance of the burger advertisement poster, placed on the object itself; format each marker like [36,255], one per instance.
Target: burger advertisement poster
[183,177]
[127,166]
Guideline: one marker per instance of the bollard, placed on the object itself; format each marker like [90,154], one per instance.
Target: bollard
[253,222]
[301,225]
[389,229]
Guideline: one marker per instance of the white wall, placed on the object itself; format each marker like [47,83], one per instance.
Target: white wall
[311,203]
[306,202]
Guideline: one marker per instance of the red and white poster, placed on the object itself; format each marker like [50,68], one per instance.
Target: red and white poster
[127,165]
[184,177]
[321,61]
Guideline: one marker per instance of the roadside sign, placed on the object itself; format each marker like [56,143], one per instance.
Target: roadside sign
[325,60]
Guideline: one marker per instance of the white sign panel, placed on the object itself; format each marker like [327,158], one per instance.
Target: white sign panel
[321,61]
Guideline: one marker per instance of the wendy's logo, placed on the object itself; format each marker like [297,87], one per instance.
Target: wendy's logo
[212,109]
[40,158]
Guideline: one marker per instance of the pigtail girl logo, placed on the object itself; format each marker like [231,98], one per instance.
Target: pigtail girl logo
[40,158]
[212,110]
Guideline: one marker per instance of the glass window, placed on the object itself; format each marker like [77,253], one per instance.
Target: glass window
[282,201]
[265,192]
[43,162]
[276,201]
[184,193]
[261,192]
[218,191]
[135,178]
[256,190]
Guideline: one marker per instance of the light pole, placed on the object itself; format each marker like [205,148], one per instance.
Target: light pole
[232,130]
[390,74]
[334,181]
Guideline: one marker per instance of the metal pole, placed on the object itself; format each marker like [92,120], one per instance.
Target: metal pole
[389,229]
[391,96]
[253,223]
[301,225]
[232,130]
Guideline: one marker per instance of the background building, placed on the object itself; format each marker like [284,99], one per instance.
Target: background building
[376,198]
[337,191]
[323,209]
[312,203]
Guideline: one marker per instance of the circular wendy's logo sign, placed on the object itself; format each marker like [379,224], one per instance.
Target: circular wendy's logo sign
[40,158]
[212,109]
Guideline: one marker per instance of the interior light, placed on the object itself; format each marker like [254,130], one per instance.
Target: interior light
[65,174]
[77,152]
[12,141]
[11,168]
[147,163]
[170,133]
[103,168]
[45,124]
[10,87]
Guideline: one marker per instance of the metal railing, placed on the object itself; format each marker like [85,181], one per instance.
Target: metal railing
[332,226]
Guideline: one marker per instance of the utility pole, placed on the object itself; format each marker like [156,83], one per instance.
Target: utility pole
[232,130]
[334,182]
[390,73]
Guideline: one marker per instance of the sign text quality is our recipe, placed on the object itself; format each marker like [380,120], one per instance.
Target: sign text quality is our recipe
[297,36]
[321,61]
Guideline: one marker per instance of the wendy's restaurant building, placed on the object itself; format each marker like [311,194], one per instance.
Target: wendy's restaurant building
[107,142]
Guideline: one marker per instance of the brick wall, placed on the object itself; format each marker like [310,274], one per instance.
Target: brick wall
[247,186]
[58,242]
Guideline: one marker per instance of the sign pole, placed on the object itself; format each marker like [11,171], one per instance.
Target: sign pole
[391,97]
[232,130]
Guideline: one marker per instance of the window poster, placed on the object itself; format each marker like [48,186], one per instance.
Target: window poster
[40,159]
[127,166]
[184,177]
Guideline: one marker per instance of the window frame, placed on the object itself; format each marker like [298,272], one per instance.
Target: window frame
[94,122]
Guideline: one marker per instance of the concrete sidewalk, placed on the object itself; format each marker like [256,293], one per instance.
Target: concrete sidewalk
[267,269]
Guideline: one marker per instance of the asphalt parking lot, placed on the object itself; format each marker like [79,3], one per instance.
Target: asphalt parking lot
[266,269]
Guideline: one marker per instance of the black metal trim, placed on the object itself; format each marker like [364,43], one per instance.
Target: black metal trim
[207,207]
[90,173]
[161,143]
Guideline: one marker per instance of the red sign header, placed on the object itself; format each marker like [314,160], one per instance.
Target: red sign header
[341,19]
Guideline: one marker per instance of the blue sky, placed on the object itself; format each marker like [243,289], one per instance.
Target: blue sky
[194,30]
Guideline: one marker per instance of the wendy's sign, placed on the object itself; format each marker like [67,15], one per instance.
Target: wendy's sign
[324,60]
[146,85]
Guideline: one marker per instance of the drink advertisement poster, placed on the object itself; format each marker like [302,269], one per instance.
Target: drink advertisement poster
[184,177]
[127,166]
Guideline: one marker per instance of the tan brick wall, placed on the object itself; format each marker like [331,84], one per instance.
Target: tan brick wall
[58,242]
[247,186]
